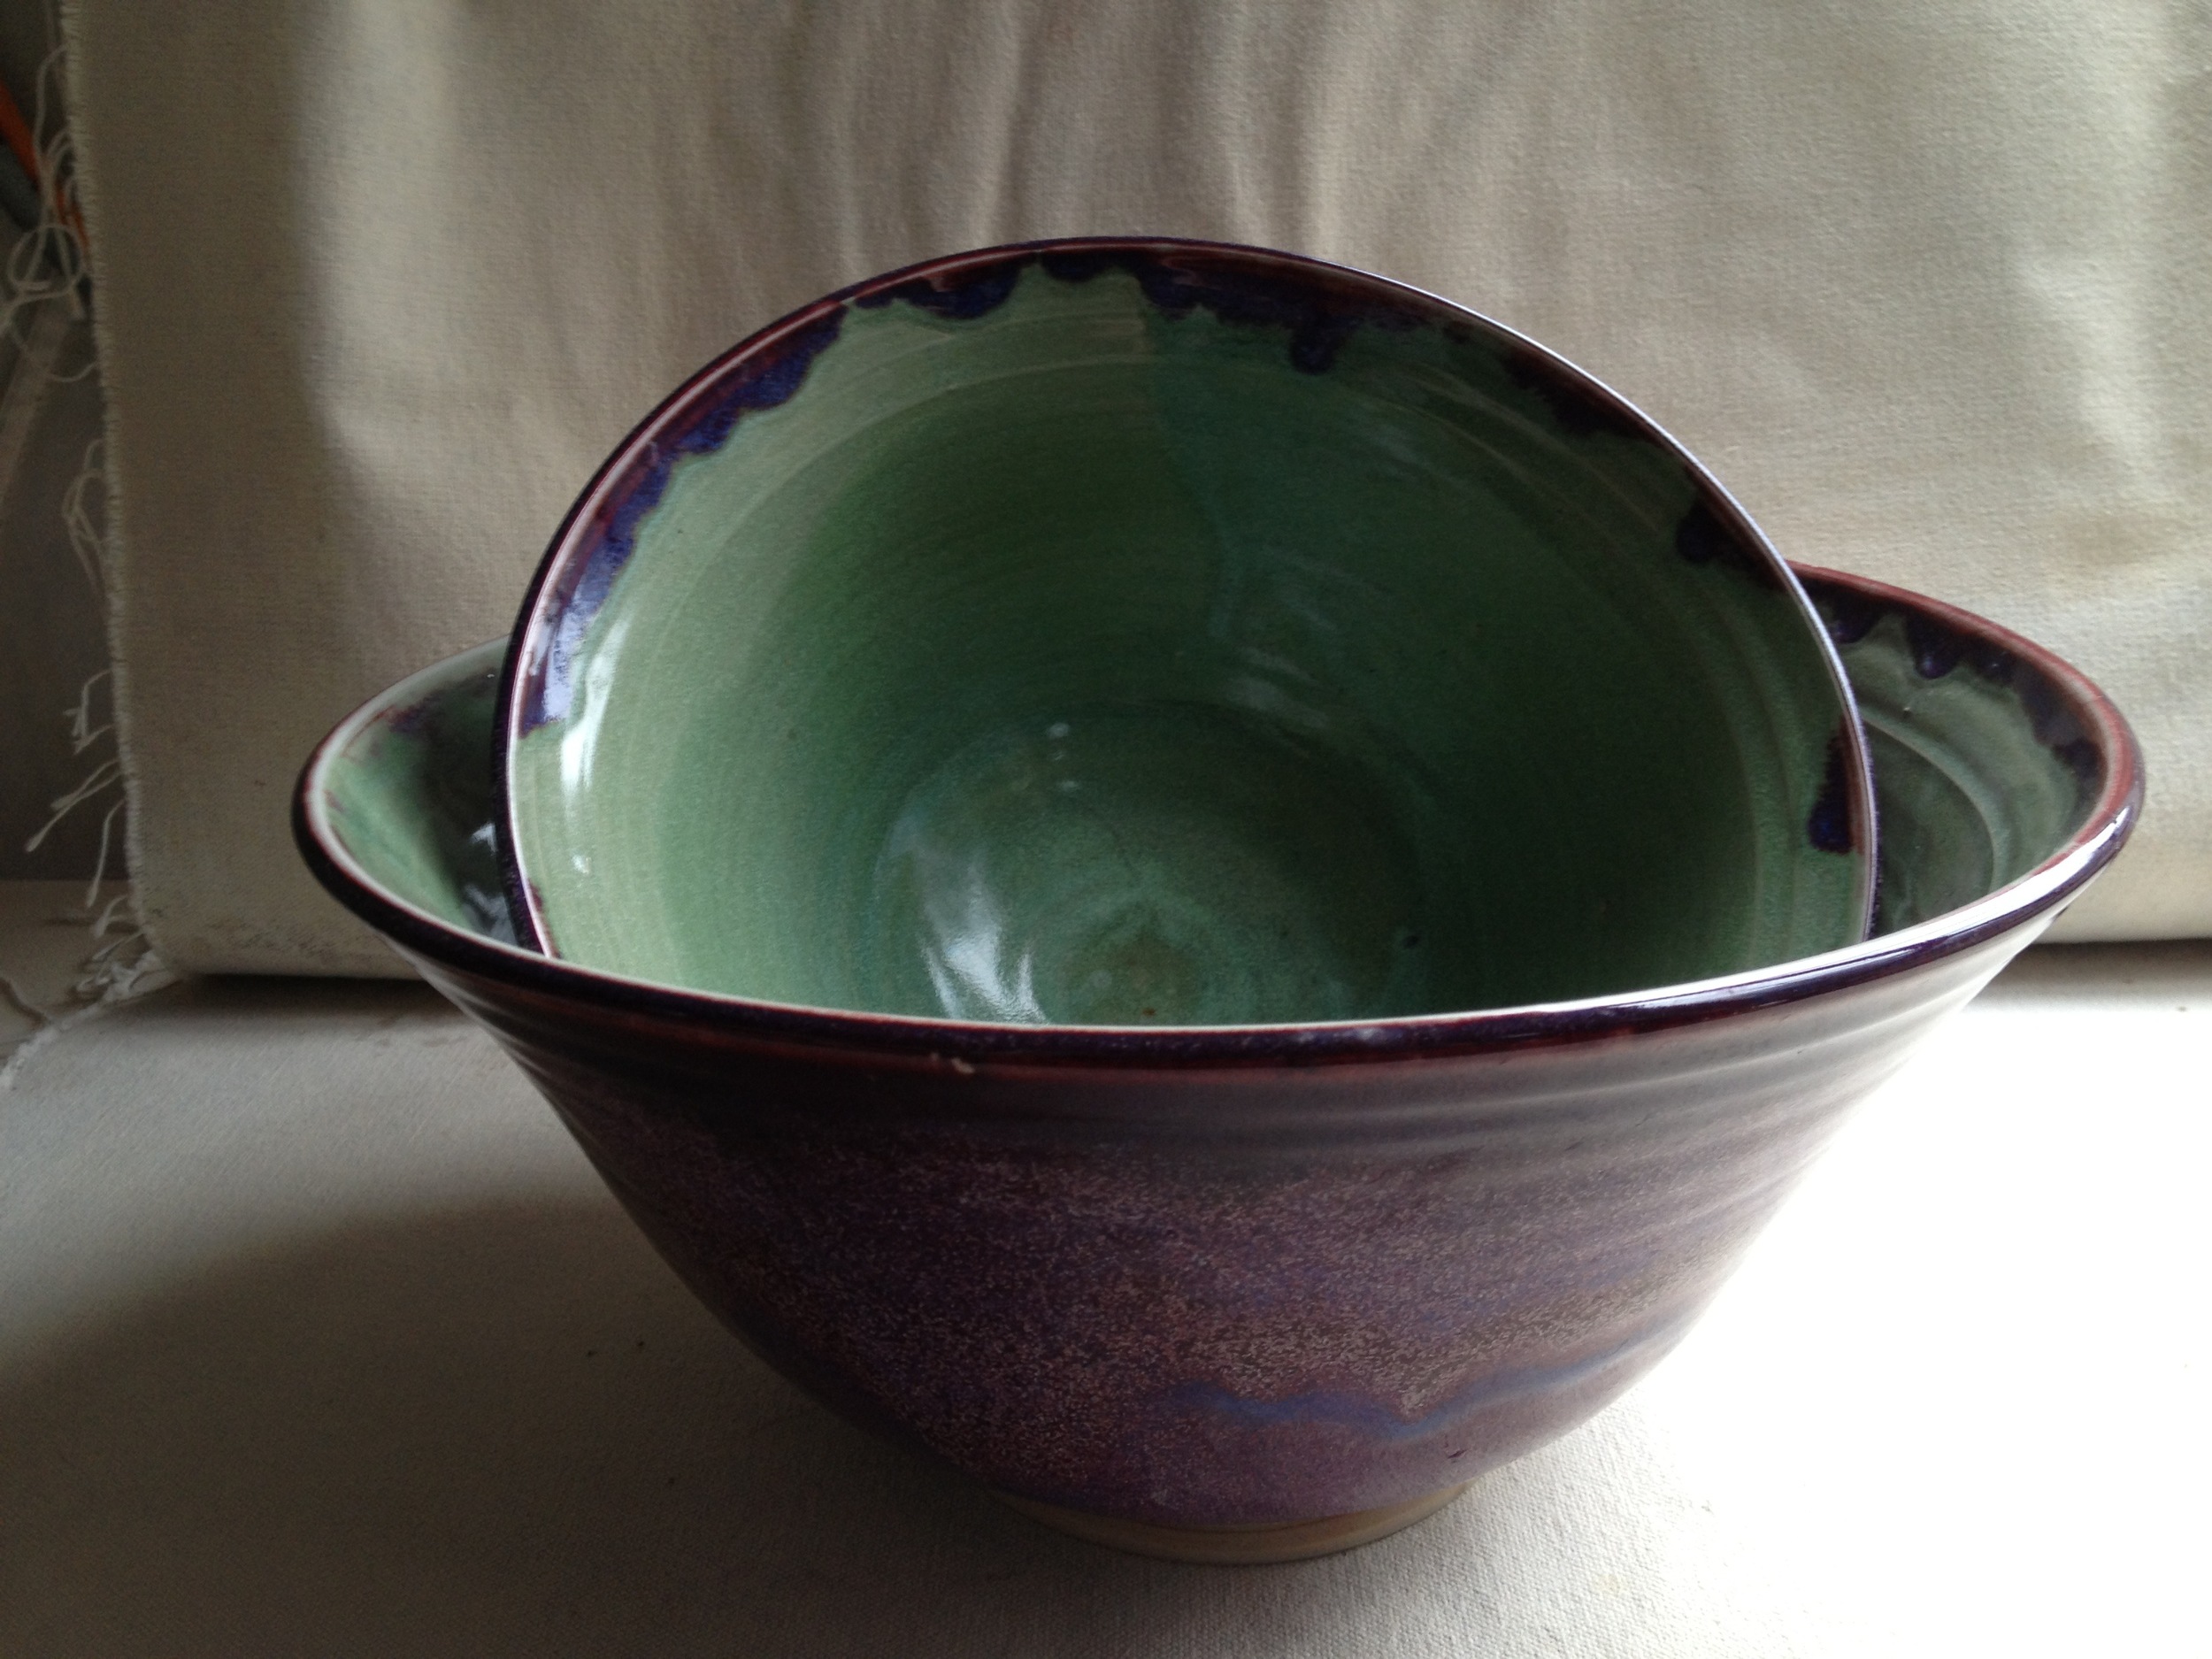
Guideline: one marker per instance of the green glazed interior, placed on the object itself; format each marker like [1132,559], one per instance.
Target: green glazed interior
[1093,663]
[409,795]
[1970,797]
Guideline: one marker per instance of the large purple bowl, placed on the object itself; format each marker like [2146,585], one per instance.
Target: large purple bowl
[1248,1293]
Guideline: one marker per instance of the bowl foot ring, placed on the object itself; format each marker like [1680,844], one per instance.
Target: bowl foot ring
[1255,1545]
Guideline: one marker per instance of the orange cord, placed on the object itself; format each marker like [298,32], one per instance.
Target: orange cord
[17,132]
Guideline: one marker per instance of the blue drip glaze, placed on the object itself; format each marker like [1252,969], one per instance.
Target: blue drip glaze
[1319,315]
[761,381]
[1849,617]
[974,292]
[2058,730]
[1829,827]
[1318,318]
[1705,537]
[1936,650]
[1581,412]
[2082,759]
[1376,1422]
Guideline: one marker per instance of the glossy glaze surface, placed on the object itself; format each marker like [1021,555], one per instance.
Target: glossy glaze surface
[1244,1277]
[1131,634]
[1981,767]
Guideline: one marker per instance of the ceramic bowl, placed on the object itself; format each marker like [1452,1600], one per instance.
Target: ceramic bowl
[1146,633]
[1247,1295]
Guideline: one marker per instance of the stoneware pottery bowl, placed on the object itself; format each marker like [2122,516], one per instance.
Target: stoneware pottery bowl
[1149,634]
[1246,1294]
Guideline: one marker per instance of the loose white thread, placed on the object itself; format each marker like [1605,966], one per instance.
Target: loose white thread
[48,266]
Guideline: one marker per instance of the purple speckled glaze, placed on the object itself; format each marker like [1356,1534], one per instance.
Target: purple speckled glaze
[1254,1294]
[1245,1275]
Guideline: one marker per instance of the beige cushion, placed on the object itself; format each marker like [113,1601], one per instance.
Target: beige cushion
[1926,282]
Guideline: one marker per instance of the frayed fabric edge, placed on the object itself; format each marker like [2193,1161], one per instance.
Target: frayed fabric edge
[121,970]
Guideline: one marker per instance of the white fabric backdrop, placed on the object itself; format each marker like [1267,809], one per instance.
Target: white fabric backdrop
[1925,281]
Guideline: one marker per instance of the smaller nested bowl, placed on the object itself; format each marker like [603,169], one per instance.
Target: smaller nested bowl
[1146,633]
[1247,1295]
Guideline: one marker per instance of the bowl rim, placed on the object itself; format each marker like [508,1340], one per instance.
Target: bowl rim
[652,446]
[2104,828]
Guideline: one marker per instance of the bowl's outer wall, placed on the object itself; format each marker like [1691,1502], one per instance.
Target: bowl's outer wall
[1193,1281]
[1250,1295]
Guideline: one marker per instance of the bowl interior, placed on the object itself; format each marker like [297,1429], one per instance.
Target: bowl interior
[1184,637]
[1982,770]
[1983,765]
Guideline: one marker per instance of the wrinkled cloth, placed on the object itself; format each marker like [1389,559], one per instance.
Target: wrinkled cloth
[1926,284]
